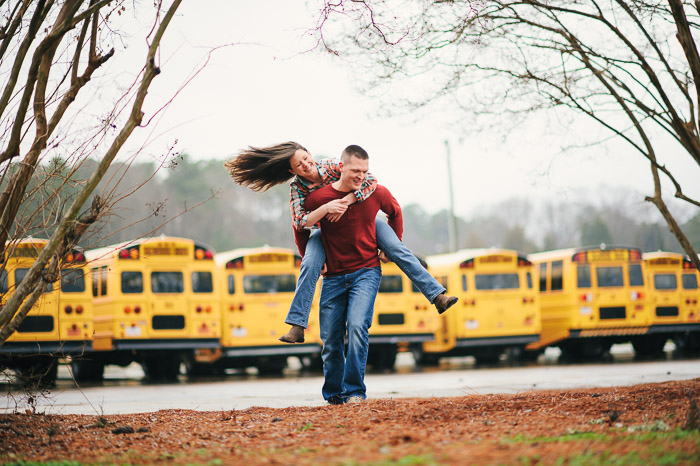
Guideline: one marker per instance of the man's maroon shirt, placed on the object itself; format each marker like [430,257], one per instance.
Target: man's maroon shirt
[351,242]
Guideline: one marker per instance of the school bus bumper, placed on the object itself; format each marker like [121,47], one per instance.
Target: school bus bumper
[46,347]
[166,343]
[491,341]
[399,338]
[271,350]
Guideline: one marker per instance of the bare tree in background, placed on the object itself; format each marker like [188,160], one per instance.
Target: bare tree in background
[630,66]
[49,51]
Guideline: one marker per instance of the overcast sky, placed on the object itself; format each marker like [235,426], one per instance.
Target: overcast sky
[260,91]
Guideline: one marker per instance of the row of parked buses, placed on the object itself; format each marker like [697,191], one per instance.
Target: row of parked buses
[164,302]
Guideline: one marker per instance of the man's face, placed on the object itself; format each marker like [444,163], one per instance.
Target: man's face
[353,173]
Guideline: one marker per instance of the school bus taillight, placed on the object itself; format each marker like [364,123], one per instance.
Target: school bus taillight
[235,263]
[636,295]
[579,257]
[137,309]
[468,264]
[635,255]
[587,297]
[201,253]
[523,262]
[129,253]
[68,309]
[687,264]
[78,309]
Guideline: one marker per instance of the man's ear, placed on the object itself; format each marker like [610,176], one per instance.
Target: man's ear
[340,165]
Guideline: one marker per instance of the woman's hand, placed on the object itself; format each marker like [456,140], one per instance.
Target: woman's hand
[335,209]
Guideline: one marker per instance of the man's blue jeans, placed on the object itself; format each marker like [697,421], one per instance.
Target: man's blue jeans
[347,303]
[315,257]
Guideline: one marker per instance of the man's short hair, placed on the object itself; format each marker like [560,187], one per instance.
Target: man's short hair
[354,150]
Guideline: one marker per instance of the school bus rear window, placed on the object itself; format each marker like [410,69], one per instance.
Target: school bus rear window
[231,285]
[497,281]
[665,281]
[21,273]
[167,282]
[690,282]
[609,277]
[583,274]
[132,282]
[202,282]
[636,277]
[391,284]
[255,284]
[72,281]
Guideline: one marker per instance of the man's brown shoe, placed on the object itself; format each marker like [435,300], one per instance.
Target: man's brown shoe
[295,335]
[443,302]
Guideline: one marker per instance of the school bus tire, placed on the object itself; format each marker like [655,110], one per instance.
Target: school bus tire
[87,369]
[649,345]
[161,366]
[687,343]
[311,362]
[585,349]
[382,357]
[273,365]
[201,369]
[423,359]
[488,355]
[38,372]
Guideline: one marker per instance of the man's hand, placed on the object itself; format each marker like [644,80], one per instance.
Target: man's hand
[336,209]
[383,258]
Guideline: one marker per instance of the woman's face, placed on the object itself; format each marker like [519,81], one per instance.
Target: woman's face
[301,164]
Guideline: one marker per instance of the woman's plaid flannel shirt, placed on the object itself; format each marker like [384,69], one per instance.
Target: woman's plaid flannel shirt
[329,169]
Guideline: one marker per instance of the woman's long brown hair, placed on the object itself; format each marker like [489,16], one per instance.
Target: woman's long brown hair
[261,168]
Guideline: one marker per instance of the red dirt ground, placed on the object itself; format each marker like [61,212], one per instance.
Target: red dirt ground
[644,423]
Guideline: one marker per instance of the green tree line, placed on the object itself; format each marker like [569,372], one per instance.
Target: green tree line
[197,199]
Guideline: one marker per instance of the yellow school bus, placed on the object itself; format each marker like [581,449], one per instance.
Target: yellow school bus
[59,323]
[403,318]
[257,286]
[675,301]
[591,298]
[155,301]
[498,308]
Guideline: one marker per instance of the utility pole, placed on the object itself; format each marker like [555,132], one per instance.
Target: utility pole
[451,223]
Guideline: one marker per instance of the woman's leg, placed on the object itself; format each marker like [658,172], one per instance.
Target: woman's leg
[311,266]
[407,262]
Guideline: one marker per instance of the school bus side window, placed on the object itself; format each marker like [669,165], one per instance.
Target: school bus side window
[543,276]
[3,281]
[690,281]
[557,275]
[529,280]
[231,285]
[132,282]
[72,281]
[202,282]
[95,281]
[464,282]
[103,280]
